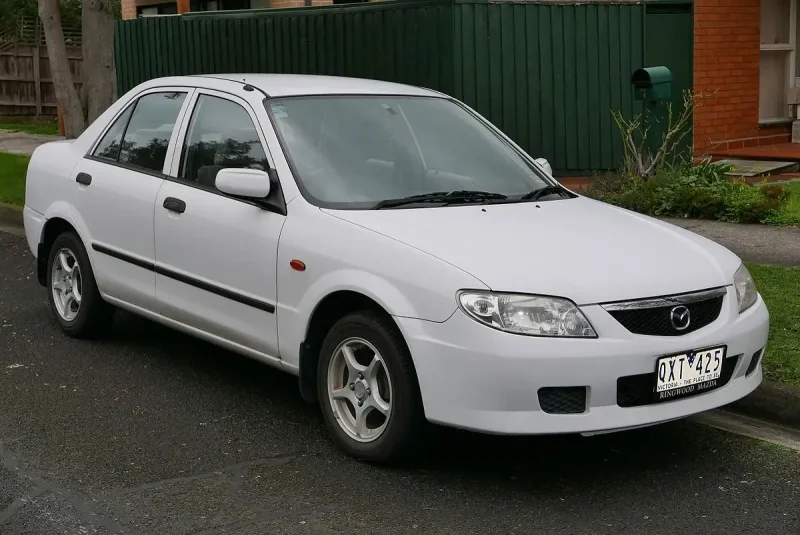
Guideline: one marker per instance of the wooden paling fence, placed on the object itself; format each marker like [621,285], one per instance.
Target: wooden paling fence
[26,86]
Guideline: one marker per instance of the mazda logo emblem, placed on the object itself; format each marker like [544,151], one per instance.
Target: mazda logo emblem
[680,318]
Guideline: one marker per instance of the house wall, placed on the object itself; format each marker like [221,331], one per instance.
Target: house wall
[726,63]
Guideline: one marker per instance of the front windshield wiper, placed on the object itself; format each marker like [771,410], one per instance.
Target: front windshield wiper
[447,197]
[541,192]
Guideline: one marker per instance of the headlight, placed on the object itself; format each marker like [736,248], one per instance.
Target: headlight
[746,292]
[533,315]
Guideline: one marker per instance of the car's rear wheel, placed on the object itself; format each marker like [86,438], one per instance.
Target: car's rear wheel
[368,389]
[74,298]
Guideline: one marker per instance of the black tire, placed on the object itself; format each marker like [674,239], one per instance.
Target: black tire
[94,315]
[406,426]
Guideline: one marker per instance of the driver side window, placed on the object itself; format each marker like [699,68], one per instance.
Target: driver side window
[221,135]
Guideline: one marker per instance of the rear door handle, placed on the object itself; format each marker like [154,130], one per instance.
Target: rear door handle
[84,179]
[174,205]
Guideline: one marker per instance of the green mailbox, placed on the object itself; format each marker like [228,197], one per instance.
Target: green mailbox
[652,83]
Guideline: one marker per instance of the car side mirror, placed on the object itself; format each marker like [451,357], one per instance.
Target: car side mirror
[250,183]
[544,164]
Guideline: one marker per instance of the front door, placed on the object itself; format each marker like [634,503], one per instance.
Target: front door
[216,255]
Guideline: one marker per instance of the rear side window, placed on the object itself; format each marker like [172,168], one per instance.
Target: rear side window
[140,136]
[145,141]
[221,135]
[109,146]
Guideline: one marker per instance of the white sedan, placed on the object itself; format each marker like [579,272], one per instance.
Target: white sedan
[396,252]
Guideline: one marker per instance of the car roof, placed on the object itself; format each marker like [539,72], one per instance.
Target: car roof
[281,85]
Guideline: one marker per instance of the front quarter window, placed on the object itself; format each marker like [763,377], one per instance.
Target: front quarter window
[358,152]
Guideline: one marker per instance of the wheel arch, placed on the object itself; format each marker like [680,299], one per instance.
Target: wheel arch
[54,227]
[328,311]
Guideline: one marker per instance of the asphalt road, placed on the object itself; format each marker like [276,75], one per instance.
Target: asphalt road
[149,431]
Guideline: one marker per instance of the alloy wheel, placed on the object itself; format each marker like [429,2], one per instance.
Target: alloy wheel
[67,284]
[360,390]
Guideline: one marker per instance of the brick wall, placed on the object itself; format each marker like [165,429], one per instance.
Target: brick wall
[726,61]
[128,9]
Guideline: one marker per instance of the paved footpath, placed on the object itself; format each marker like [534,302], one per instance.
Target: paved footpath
[152,432]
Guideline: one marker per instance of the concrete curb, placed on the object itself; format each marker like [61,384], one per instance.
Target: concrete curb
[11,215]
[772,402]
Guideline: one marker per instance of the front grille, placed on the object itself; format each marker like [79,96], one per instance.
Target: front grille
[563,399]
[638,390]
[657,320]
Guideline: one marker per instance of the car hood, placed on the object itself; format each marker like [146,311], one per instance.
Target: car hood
[582,249]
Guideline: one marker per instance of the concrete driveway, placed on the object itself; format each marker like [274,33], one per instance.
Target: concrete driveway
[22,143]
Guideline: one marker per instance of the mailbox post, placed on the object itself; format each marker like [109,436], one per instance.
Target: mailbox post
[652,85]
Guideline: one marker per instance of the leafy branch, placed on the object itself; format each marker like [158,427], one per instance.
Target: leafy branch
[638,158]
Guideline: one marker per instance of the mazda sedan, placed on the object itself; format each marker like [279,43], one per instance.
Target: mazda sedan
[401,256]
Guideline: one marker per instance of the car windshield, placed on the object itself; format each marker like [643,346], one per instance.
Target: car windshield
[359,151]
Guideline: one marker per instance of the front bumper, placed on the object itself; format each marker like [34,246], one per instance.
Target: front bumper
[475,377]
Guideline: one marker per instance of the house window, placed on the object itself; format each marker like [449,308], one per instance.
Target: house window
[167,8]
[234,4]
[778,42]
[219,5]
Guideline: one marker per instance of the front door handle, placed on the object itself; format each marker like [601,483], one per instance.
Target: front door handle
[174,205]
[84,179]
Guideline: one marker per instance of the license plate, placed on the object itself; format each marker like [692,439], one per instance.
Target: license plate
[689,373]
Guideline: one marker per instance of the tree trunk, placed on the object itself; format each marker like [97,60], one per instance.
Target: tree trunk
[66,94]
[97,20]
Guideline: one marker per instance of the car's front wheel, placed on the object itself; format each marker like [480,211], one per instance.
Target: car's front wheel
[368,388]
[74,298]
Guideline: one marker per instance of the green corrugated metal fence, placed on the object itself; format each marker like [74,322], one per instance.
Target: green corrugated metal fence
[547,74]
[405,42]
[669,41]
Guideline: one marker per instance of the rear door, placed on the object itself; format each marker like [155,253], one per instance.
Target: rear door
[216,255]
[117,183]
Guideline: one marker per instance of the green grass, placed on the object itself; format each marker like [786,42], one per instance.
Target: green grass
[789,214]
[30,126]
[12,178]
[780,288]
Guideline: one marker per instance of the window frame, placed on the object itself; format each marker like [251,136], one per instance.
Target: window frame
[275,202]
[134,101]
[788,51]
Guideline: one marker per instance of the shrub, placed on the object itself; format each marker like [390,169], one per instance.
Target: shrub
[666,133]
[700,191]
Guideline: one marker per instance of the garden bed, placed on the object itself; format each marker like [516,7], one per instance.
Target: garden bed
[701,192]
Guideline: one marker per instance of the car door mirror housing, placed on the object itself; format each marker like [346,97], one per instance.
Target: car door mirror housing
[249,183]
[544,164]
